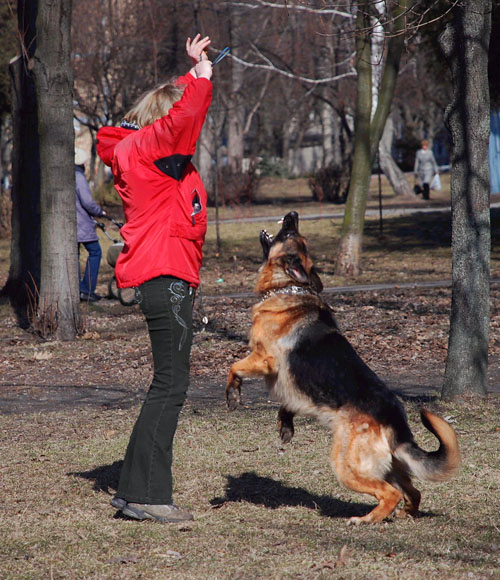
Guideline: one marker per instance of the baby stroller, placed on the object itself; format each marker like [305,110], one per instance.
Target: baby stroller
[126,296]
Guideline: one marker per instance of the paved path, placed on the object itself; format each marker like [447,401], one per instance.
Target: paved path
[40,399]
[356,288]
[386,212]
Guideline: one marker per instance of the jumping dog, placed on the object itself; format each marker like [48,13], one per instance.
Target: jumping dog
[313,370]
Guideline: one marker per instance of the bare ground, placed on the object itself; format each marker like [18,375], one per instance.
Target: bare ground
[401,333]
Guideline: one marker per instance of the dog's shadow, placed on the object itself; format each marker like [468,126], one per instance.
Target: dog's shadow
[252,488]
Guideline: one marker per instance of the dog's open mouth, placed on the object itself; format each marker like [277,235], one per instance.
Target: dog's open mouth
[266,241]
[265,236]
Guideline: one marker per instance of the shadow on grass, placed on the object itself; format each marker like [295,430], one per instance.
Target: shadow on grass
[105,477]
[252,488]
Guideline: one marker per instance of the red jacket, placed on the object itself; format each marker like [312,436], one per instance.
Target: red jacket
[164,200]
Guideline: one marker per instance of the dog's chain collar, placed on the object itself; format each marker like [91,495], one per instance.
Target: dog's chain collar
[290,290]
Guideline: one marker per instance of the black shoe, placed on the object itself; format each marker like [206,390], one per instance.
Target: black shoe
[84,297]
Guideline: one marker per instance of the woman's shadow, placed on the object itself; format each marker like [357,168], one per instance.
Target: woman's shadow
[105,477]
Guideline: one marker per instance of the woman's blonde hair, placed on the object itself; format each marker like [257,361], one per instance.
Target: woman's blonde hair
[154,104]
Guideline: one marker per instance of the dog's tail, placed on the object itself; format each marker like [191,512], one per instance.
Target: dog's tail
[437,465]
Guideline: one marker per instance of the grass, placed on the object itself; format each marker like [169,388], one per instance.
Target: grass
[262,510]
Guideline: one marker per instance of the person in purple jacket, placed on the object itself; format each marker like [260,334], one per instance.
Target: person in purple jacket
[86,207]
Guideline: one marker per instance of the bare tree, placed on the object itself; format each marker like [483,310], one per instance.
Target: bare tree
[465,43]
[8,48]
[390,168]
[5,175]
[369,129]
[236,109]
[24,273]
[58,312]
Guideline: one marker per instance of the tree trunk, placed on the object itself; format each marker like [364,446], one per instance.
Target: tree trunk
[327,126]
[23,282]
[236,112]
[465,44]
[205,158]
[59,307]
[367,135]
[5,176]
[390,168]
[349,255]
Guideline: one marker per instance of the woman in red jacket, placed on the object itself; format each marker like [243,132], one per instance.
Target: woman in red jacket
[164,203]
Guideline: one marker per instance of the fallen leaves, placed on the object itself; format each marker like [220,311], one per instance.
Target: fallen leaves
[344,555]
[401,334]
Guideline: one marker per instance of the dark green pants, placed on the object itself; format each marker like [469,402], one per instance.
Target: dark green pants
[146,475]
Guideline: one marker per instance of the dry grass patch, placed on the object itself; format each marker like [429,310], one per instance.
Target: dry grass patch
[262,510]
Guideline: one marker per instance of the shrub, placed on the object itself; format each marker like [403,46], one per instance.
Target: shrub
[237,187]
[331,183]
[273,167]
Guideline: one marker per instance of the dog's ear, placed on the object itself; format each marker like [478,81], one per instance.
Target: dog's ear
[295,269]
[315,280]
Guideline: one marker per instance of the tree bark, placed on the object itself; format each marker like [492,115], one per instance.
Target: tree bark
[23,281]
[394,175]
[59,307]
[349,254]
[5,176]
[465,44]
[236,112]
[367,135]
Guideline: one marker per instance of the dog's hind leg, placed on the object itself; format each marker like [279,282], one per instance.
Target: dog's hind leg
[362,459]
[388,498]
[285,424]
[411,496]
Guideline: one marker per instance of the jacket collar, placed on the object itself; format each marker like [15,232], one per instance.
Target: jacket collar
[127,125]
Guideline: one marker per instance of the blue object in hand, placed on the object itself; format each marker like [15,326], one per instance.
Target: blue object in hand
[221,55]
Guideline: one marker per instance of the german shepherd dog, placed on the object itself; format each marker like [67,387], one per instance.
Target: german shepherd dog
[313,370]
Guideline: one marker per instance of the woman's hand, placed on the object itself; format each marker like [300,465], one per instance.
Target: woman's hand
[203,69]
[196,48]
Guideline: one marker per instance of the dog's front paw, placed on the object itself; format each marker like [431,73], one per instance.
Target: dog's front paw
[233,398]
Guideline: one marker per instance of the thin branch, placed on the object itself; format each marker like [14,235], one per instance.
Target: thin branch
[270,66]
[257,104]
[294,7]
[413,25]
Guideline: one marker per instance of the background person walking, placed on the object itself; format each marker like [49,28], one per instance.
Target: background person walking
[425,167]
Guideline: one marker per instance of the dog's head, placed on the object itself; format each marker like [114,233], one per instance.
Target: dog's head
[286,259]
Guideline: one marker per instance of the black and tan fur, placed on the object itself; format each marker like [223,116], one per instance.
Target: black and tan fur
[313,370]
